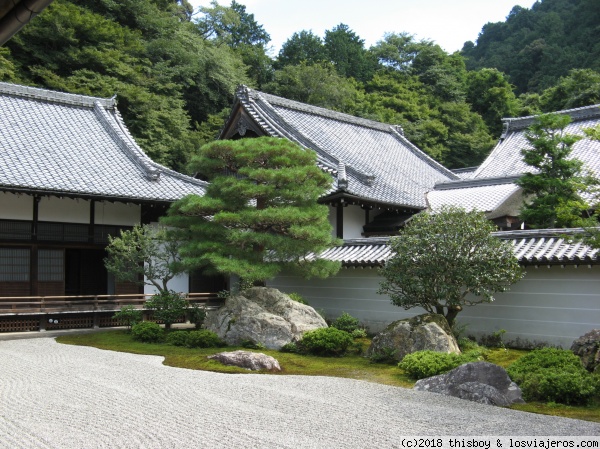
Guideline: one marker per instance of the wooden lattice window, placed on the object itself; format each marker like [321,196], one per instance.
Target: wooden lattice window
[14,264]
[51,263]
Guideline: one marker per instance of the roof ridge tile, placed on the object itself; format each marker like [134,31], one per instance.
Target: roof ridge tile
[37,93]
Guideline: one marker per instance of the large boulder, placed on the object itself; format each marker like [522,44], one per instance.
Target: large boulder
[481,382]
[587,348]
[263,315]
[419,333]
[249,360]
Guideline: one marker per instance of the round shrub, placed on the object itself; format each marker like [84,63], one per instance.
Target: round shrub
[359,333]
[203,339]
[147,332]
[553,375]
[177,338]
[345,322]
[422,364]
[327,341]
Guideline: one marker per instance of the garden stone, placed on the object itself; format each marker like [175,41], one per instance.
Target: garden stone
[249,360]
[265,316]
[481,382]
[420,333]
[587,348]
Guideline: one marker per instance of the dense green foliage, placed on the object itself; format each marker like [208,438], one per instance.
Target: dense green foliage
[553,375]
[144,255]
[177,338]
[445,260]
[557,181]
[327,341]
[259,214]
[174,70]
[147,332]
[167,306]
[422,364]
[203,339]
[346,322]
[537,46]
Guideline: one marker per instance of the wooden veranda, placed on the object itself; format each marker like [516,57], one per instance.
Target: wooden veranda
[40,313]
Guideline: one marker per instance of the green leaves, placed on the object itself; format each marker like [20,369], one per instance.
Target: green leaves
[558,181]
[260,213]
[445,260]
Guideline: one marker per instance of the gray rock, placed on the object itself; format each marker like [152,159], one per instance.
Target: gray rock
[587,348]
[249,360]
[420,333]
[481,382]
[263,315]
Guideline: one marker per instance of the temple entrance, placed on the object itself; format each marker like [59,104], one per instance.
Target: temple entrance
[85,273]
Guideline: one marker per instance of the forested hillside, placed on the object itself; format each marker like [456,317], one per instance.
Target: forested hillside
[175,70]
[537,46]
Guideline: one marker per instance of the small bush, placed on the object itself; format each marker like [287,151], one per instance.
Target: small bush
[384,355]
[290,347]
[147,332]
[177,338]
[359,333]
[345,322]
[250,344]
[422,364]
[203,339]
[553,375]
[197,315]
[327,341]
[168,306]
[129,316]
[298,298]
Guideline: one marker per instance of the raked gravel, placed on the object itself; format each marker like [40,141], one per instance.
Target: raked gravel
[62,396]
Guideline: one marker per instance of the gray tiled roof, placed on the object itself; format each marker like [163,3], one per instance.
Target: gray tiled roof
[506,158]
[505,164]
[380,163]
[74,145]
[531,247]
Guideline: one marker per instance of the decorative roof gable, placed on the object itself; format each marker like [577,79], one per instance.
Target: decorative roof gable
[75,145]
[370,160]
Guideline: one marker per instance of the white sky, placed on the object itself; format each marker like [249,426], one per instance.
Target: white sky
[450,23]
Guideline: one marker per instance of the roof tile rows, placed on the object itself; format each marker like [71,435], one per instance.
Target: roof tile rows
[381,164]
[531,247]
[76,145]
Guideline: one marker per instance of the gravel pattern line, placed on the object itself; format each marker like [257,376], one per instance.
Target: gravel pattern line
[62,396]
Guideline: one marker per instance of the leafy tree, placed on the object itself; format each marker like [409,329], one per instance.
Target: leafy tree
[144,255]
[316,84]
[490,95]
[232,25]
[347,52]
[580,88]
[558,180]
[397,51]
[260,213]
[302,47]
[446,260]
[167,306]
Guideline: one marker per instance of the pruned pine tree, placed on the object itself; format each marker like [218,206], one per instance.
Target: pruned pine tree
[260,213]
[556,184]
[446,260]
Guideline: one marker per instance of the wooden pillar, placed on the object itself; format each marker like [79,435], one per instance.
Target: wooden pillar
[92,223]
[339,220]
[33,261]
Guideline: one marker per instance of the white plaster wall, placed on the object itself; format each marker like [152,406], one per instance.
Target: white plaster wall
[124,214]
[552,305]
[180,284]
[65,210]
[354,220]
[16,207]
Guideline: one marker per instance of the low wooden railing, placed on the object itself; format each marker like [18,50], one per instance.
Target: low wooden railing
[17,305]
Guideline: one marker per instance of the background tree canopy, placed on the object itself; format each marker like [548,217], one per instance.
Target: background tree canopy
[175,70]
